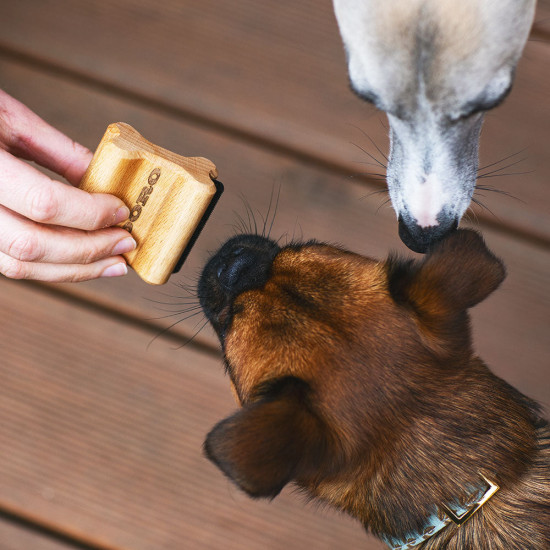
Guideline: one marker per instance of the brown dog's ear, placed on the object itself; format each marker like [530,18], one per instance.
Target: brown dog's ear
[456,274]
[268,442]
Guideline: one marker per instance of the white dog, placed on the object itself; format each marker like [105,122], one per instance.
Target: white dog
[435,67]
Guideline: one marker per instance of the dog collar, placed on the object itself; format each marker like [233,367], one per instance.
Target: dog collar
[457,512]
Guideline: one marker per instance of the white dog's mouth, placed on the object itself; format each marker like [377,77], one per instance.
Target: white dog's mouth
[420,239]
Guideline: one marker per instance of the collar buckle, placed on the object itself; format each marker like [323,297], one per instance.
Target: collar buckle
[461,515]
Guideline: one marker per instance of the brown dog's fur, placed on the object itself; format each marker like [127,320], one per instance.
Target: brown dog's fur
[358,383]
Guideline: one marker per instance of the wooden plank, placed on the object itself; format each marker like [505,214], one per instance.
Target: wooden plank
[510,328]
[105,439]
[14,536]
[541,25]
[274,72]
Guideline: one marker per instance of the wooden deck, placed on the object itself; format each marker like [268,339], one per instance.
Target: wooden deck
[102,416]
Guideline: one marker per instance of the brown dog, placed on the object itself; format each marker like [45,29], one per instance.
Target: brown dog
[358,383]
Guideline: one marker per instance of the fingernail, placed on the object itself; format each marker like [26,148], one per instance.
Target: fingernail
[115,270]
[121,214]
[125,245]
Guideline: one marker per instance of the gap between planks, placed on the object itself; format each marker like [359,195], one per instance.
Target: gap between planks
[62,534]
[72,540]
[106,308]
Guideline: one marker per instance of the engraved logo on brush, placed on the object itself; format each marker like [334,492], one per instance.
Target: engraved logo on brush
[146,191]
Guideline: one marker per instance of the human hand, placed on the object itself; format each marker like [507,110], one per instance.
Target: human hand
[51,231]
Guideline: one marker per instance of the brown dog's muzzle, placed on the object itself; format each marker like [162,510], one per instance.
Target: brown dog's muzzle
[243,263]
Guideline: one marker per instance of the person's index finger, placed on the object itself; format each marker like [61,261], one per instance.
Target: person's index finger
[30,137]
[34,195]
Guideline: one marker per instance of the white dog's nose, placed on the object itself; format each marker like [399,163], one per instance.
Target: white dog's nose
[419,238]
[425,200]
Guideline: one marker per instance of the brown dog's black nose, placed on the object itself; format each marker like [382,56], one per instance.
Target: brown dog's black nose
[242,263]
[242,268]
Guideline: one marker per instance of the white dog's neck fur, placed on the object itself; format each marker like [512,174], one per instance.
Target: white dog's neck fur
[434,66]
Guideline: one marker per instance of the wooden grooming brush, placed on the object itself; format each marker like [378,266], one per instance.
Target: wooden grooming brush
[169,196]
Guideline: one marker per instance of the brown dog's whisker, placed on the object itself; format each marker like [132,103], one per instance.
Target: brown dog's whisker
[237,229]
[175,299]
[180,312]
[170,327]
[250,215]
[189,340]
[184,311]
[240,226]
[297,223]
[283,236]
[188,302]
[190,295]
[189,287]
[249,223]
[275,210]
[264,219]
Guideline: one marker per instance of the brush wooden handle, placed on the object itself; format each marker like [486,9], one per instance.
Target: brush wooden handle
[167,195]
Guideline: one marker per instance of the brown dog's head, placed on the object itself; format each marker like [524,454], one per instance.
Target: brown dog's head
[342,363]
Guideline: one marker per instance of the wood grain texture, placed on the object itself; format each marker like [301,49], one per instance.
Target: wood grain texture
[14,536]
[167,194]
[541,24]
[105,435]
[274,73]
